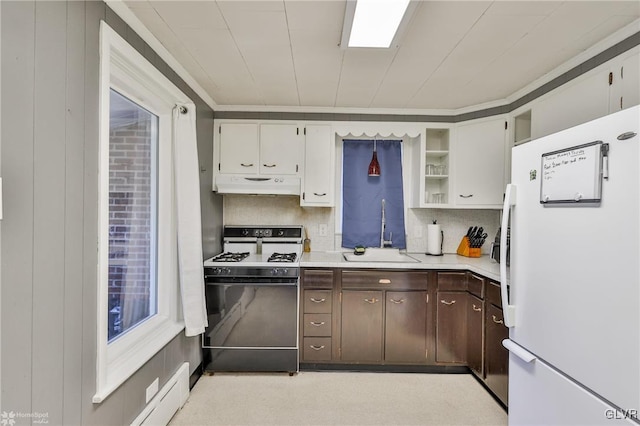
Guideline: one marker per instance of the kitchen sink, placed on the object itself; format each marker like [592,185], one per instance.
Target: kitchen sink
[380,255]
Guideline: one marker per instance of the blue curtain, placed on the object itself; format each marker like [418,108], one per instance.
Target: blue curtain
[362,195]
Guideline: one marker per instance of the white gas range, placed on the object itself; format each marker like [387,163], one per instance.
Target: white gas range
[252,296]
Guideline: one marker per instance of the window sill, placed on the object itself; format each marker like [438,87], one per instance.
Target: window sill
[135,357]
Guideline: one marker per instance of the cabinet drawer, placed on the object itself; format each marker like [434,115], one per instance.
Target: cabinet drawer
[452,281]
[317,325]
[378,280]
[317,301]
[476,285]
[316,349]
[493,294]
[317,278]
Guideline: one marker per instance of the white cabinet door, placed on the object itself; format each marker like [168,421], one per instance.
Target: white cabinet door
[317,189]
[479,163]
[280,149]
[579,102]
[239,148]
[630,81]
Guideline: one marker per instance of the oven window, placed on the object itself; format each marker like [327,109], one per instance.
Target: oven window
[133,164]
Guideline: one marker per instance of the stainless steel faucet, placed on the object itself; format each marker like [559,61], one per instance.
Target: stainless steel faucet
[383,228]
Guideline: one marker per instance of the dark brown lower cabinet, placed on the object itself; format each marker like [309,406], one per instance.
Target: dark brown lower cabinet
[405,327]
[475,326]
[496,357]
[362,326]
[451,334]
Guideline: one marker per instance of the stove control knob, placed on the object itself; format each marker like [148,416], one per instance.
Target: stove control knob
[274,271]
[227,271]
[280,232]
[245,232]
[285,271]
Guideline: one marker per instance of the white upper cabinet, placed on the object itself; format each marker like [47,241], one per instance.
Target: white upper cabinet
[318,177]
[238,148]
[628,79]
[262,149]
[580,101]
[479,163]
[430,165]
[606,89]
[280,149]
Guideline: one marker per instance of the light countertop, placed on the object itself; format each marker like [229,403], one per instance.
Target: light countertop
[483,265]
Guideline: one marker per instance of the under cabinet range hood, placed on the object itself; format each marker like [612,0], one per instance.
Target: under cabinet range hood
[262,185]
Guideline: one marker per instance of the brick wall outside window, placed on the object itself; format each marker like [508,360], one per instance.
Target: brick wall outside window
[131,169]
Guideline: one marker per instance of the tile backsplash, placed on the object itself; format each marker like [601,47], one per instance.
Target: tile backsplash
[280,210]
[454,223]
[286,210]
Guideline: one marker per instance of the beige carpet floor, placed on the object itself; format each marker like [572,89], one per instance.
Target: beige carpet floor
[340,398]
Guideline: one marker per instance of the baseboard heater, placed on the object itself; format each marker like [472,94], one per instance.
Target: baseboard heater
[167,401]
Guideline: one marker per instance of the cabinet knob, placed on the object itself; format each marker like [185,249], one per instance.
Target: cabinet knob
[476,308]
[466,196]
[314,300]
[372,300]
[384,281]
[444,302]
[316,348]
[316,324]
[397,302]
[496,320]
[246,165]
[319,194]
[269,165]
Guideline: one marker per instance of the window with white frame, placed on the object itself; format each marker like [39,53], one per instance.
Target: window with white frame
[138,294]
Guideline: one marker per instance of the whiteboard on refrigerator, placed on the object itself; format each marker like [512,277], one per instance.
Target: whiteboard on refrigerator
[573,175]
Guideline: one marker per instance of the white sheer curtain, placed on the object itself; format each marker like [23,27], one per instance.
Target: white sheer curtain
[187,187]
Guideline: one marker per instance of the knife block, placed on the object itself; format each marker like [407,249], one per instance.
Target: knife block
[465,250]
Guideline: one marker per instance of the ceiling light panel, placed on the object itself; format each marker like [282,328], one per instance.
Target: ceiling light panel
[375,22]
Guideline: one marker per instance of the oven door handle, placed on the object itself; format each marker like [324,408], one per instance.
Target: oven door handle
[217,281]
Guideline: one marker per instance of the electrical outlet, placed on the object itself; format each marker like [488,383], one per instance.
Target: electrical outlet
[322,230]
[152,389]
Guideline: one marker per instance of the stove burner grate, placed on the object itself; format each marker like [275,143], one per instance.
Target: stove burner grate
[230,257]
[282,257]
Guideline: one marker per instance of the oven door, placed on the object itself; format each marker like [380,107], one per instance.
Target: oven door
[253,325]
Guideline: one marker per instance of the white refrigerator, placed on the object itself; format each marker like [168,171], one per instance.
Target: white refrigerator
[572,292]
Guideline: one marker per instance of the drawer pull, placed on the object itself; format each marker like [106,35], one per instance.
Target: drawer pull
[372,300]
[314,300]
[466,196]
[316,348]
[384,281]
[317,324]
[246,165]
[477,308]
[319,194]
[496,320]
[269,165]
[444,302]
[397,302]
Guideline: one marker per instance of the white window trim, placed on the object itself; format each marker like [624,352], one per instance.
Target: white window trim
[125,70]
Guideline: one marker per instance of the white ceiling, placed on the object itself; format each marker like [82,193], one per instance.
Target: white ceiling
[453,54]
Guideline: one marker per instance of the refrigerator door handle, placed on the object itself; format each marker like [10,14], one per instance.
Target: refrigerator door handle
[518,350]
[508,310]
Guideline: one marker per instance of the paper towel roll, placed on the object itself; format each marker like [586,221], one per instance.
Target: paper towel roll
[434,239]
